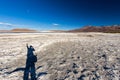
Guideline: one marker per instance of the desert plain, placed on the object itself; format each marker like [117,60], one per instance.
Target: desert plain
[62,56]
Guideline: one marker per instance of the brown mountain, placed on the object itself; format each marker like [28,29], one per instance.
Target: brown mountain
[18,30]
[107,29]
[22,30]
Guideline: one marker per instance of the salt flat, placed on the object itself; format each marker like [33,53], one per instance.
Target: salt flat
[62,56]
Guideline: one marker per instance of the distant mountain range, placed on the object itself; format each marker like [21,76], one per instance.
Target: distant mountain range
[106,29]
[18,30]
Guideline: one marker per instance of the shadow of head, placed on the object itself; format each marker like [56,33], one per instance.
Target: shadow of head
[31,46]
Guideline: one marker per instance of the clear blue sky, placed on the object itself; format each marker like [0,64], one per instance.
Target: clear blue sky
[58,14]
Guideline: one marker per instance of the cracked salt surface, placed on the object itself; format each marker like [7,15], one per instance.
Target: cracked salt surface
[62,56]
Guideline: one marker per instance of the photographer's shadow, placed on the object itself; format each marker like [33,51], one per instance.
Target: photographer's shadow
[30,64]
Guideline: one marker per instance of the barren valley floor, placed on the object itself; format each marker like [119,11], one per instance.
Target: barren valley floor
[62,56]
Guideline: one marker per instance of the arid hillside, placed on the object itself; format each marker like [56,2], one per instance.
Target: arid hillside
[105,29]
[18,30]
[22,30]
[62,56]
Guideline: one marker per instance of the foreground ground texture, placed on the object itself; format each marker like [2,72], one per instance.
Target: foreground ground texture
[62,56]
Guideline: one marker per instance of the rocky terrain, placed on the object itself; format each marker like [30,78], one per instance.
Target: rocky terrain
[62,56]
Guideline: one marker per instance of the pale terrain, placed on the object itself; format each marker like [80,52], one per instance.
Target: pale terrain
[62,56]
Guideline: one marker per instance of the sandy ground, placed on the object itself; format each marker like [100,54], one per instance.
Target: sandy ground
[62,56]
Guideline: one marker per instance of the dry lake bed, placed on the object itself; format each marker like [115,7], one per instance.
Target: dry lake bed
[62,56]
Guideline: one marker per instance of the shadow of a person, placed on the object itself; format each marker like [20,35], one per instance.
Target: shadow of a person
[30,64]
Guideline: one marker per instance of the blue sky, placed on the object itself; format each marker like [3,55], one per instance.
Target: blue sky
[58,14]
